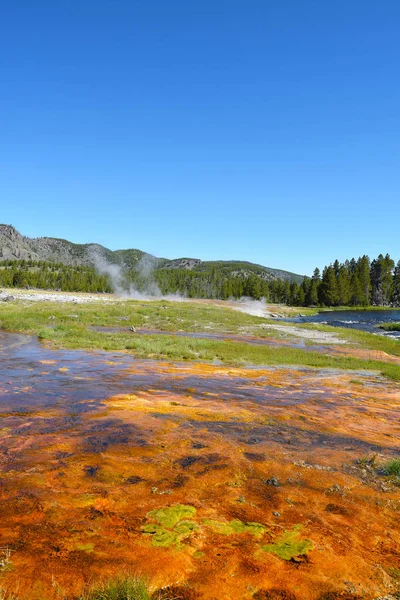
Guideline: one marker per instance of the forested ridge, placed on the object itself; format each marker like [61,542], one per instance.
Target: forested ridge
[360,282]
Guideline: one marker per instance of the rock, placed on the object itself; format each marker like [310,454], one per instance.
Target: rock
[6,298]
[273,481]
[335,488]
[276,513]
[132,328]
[182,263]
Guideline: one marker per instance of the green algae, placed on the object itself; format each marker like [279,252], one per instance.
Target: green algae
[218,526]
[235,526]
[171,526]
[85,547]
[170,516]
[289,545]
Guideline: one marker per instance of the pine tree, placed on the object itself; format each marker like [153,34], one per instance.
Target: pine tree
[328,291]
[356,292]
[387,279]
[336,268]
[312,299]
[382,280]
[363,273]
[343,286]
[396,285]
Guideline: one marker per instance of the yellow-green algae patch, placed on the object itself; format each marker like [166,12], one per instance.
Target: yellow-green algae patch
[289,545]
[235,526]
[84,500]
[85,547]
[172,525]
[170,516]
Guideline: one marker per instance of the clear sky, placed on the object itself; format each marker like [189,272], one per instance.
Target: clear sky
[251,129]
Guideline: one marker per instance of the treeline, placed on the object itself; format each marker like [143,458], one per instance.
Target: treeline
[215,283]
[52,276]
[359,282]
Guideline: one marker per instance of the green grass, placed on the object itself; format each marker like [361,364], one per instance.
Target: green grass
[167,316]
[390,326]
[233,353]
[393,467]
[120,588]
[70,331]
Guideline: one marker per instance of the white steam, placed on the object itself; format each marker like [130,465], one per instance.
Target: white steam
[257,308]
[114,272]
[117,275]
[145,267]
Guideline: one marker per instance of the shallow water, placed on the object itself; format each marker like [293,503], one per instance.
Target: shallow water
[90,443]
[366,320]
[218,337]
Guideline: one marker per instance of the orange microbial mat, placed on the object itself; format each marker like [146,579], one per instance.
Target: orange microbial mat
[238,483]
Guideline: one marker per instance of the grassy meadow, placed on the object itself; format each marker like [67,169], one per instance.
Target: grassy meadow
[68,325]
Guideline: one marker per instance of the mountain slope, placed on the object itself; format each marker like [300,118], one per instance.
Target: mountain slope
[14,246]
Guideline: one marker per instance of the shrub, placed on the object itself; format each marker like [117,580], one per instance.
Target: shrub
[119,588]
[393,467]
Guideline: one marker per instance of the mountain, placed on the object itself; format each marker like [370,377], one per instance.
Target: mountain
[14,246]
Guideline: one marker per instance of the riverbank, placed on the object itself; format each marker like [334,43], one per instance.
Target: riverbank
[390,326]
[63,325]
[358,308]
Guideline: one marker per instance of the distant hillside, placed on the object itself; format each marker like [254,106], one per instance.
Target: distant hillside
[14,246]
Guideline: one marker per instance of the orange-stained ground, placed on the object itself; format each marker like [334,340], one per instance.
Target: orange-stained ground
[90,443]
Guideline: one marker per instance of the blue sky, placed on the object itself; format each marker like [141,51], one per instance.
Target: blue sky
[258,130]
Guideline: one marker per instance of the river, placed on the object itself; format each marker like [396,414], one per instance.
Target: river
[366,320]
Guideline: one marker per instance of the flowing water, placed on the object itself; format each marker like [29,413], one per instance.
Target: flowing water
[366,320]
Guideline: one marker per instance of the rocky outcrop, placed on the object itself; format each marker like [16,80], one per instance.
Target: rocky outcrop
[14,246]
[182,263]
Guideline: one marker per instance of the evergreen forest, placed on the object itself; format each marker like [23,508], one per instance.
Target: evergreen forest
[360,282]
[52,276]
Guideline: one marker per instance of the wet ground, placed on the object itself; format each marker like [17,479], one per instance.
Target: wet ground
[220,337]
[234,481]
